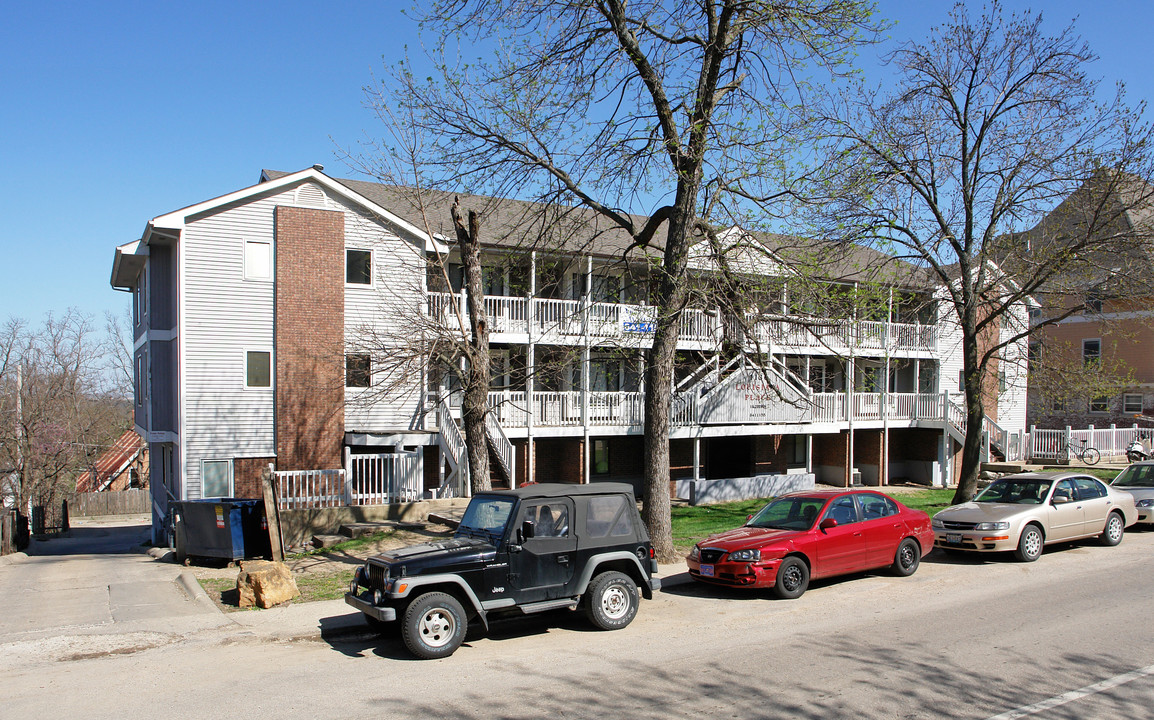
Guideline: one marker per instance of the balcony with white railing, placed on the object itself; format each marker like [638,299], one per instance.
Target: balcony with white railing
[557,321]
[824,336]
[626,409]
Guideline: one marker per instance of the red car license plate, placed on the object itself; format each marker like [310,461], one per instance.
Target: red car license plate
[707,571]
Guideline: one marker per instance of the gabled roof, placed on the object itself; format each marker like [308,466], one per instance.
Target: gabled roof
[111,463]
[572,229]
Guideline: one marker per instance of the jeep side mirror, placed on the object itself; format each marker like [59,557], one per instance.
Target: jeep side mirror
[528,530]
[1061,499]
[828,523]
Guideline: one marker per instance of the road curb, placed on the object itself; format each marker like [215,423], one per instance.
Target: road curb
[187,582]
[13,558]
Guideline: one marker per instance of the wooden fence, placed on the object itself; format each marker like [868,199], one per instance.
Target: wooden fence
[120,502]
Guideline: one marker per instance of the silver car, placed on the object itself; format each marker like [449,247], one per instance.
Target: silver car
[1138,480]
[1023,512]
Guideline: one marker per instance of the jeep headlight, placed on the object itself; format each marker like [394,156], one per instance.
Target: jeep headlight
[695,553]
[745,556]
[987,526]
[1148,502]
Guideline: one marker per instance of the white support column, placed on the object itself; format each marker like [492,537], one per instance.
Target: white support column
[696,458]
[530,369]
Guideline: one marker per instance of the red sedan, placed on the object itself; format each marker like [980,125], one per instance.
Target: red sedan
[814,535]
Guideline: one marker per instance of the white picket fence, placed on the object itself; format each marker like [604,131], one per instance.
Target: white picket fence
[1111,442]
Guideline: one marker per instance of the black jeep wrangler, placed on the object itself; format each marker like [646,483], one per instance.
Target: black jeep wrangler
[536,548]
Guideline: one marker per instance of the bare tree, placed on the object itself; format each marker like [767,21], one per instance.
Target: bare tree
[606,104]
[57,409]
[993,124]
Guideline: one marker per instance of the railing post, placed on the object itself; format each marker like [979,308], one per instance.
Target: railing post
[348,476]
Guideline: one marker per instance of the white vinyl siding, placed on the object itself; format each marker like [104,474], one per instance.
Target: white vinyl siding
[385,308]
[222,316]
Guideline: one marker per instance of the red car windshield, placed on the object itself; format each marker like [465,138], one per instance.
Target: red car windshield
[797,513]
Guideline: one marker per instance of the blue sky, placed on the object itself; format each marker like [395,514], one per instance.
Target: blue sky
[112,113]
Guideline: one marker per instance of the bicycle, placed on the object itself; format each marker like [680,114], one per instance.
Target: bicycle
[1088,455]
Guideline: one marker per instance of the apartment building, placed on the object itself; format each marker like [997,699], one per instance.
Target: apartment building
[269,322]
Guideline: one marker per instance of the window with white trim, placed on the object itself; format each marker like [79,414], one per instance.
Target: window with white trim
[358,370]
[257,260]
[1132,403]
[257,369]
[1100,404]
[358,267]
[215,478]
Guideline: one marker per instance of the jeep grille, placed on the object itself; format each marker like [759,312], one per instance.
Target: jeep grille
[377,577]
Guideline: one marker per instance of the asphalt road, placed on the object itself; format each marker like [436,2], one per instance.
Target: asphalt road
[1066,637]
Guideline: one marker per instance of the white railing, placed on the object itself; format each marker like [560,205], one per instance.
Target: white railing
[501,445]
[616,408]
[1048,444]
[310,489]
[384,478]
[453,445]
[563,409]
[699,326]
[841,335]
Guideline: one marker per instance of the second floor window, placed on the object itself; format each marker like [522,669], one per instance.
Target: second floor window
[358,370]
[359,267]
[1091,351]
[258,369]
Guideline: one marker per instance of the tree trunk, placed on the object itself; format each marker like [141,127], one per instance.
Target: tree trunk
[475,378]
[972,374]
[672,290]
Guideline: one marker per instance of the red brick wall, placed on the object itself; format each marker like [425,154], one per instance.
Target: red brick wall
[310,319]
[771,453]
[914,444]
[246,476]
[868,450]
[832,450]
[559,460]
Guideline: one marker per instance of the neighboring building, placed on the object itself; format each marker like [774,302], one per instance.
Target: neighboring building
[124,466]
[1096,365]
[259,315]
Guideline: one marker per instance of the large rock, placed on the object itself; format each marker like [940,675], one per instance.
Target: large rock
[264,584]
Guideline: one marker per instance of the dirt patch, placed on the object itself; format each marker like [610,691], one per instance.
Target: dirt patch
[320,575]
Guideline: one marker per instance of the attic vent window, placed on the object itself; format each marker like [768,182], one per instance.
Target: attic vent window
[310,195]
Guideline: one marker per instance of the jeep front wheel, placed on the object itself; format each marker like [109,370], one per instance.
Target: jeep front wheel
[434,626]
[611,600]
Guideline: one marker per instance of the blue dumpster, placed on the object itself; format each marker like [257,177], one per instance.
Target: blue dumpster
[229,528]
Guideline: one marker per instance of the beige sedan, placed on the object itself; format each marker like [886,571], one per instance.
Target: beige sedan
[1027,511]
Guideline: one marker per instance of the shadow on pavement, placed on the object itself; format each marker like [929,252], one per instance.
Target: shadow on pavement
[110,539]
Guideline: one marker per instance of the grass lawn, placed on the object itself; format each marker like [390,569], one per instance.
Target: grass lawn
[691,524]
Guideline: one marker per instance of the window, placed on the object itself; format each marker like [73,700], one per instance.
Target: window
[1100,404]
[600,457]
[1132,403]
[877,506]
[1001,381]
[258,369]
[797,454]
[842,510]
[549,521]
[358,370]
[138,379]
[961,381]
[1089,489]
[257,260]
[215,478]
[1093,303]
[1091,351]
[609,516]
[359,267]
